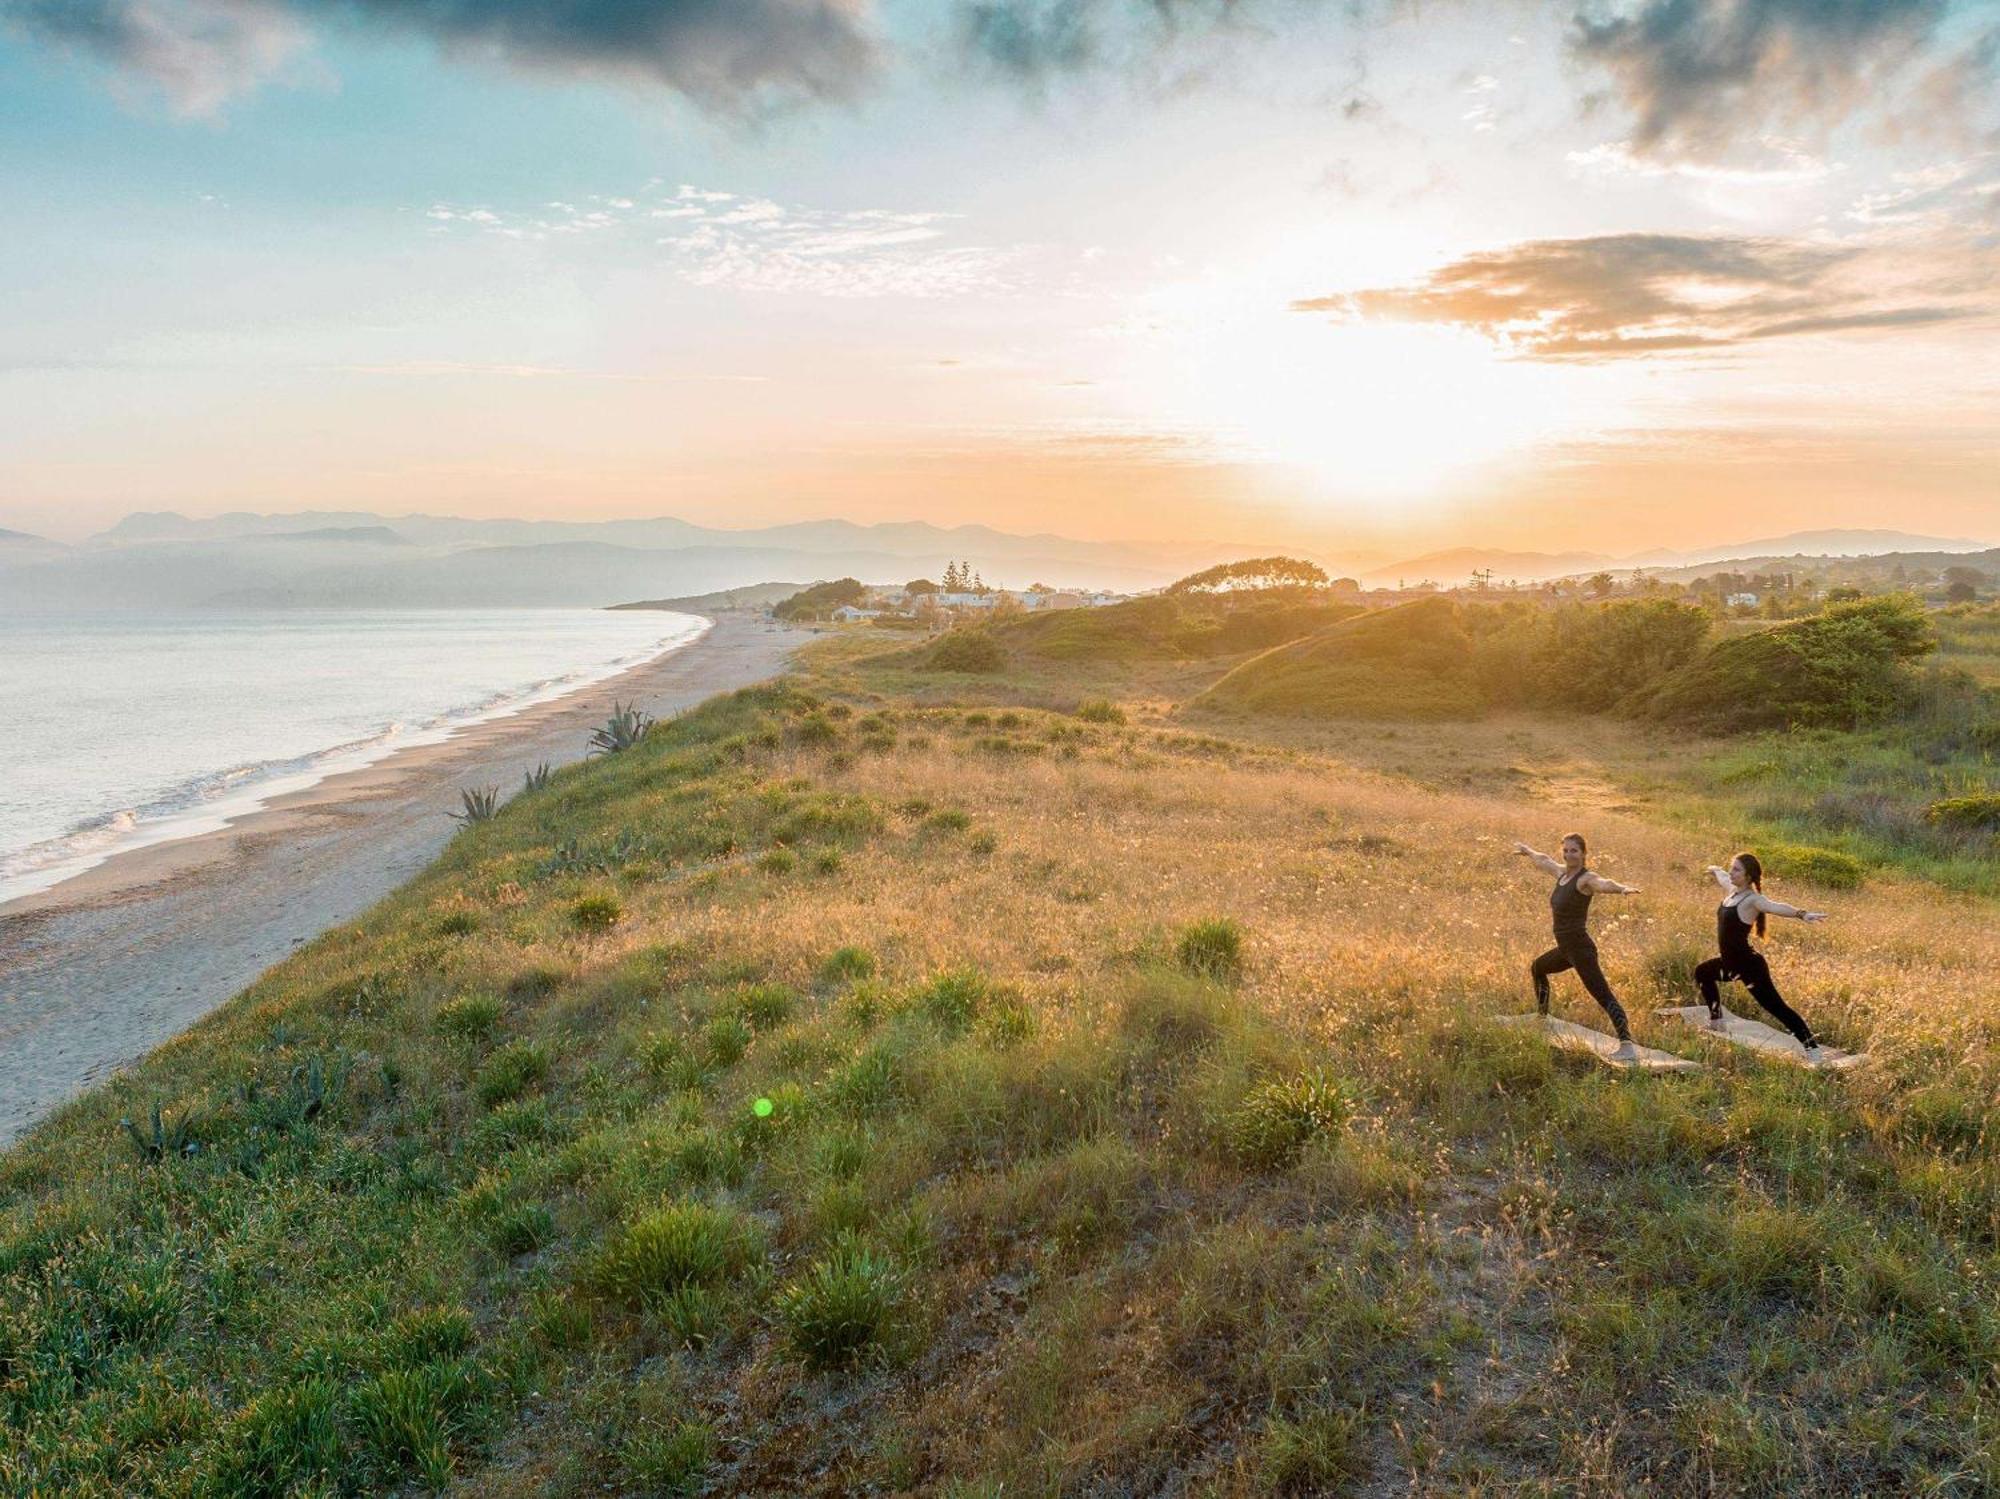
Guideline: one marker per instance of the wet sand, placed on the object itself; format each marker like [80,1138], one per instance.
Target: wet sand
[97,971]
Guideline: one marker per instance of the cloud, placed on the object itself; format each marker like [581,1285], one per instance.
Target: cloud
[1626,295]
[198,53]
[1699,75]
[724,239]
[1031,42]
[726,56]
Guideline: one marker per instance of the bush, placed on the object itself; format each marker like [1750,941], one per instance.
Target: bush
[953,999]
[510,1072]
[764,1005]
[1212,949]
[1276,1119]
[1825,867]
[1100,710]
[777,861]
[1319,1453]
[671,1462]
[682,1244]
[1979,810]
[728,1037]
[847,963]
[596,913]
[1845,668]
[470,1017]
[842,1310]
[967,650]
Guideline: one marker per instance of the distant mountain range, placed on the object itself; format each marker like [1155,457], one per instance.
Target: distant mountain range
[357,559]
[1459,563]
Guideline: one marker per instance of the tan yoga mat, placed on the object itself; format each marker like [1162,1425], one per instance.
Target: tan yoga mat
[1767,1039]
[1573,1037]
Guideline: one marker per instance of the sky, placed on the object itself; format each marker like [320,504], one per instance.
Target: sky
[1355,277]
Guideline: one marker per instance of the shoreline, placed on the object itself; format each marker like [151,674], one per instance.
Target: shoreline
[302,774]
[100,968]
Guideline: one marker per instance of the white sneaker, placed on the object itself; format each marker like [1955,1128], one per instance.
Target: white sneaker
[1717,1024]
[1626,1052]
[1814,1056]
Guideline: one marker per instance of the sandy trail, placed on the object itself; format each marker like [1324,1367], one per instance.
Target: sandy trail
[102,968]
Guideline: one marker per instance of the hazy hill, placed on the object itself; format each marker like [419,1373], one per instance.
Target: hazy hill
[755,596]
[1455,565]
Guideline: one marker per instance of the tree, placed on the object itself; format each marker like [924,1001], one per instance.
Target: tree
[1345,585]
[952,582]
[1961,584]
[918,587]
[821,599]
[1253,574]
[1601,585]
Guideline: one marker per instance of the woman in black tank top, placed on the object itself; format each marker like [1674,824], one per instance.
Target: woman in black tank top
[1569,910]
[1744,905]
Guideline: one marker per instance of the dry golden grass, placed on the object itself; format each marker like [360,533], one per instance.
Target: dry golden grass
[1032,1211]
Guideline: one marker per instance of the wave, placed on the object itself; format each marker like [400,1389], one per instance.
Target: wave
[212,800]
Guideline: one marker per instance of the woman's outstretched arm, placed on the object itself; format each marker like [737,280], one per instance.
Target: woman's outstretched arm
[1759,901]
[1721,876]
[1541,861]
[1598,884]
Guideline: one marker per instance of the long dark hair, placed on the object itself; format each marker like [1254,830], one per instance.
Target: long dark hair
[1753,871]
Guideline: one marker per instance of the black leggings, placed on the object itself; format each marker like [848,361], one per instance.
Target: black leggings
[1579,953]
[1755,974]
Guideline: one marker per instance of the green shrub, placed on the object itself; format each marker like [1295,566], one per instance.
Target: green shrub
[953,999]
[948,820]
[842,1311]
[765,1005]
[671,1463]
[521,1228]
[777,861]
[1211,948]
[470,1017]
[1317,1453]
[596,913]
[404,1416]
[1671,968]
[681,1244]
[827,861]
[1276,1119]
[457,923]
[1979,810]
[728,1037]
[1844,668]
[967,650]
[510,1072]
[668,1057]
[1100,710]
[284,1441]
[845,964]
[1825,867]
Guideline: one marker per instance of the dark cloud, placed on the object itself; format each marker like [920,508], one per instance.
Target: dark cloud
[1031,42]
[1034,41]
[1625,295]
[1699,75]
[725,55]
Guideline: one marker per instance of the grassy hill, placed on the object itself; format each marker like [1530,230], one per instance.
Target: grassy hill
[860,1088]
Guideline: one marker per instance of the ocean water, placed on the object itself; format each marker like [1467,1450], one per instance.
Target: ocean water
[118,730]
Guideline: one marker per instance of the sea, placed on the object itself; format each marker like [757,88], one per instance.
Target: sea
[124,729]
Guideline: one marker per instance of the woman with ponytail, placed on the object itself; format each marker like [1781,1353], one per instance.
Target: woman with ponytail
[1743,906]
[1569,909]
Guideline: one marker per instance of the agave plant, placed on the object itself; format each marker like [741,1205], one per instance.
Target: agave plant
[480,805]
[624,728]
[166,1140]
[537,778]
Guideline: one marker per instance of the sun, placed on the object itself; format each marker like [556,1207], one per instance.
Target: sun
[1368,410]
[1363,411]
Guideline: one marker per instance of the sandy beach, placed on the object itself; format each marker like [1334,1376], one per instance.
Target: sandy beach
[98,970]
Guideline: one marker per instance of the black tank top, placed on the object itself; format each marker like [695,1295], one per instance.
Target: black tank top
[1571,906]
[1732,933]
